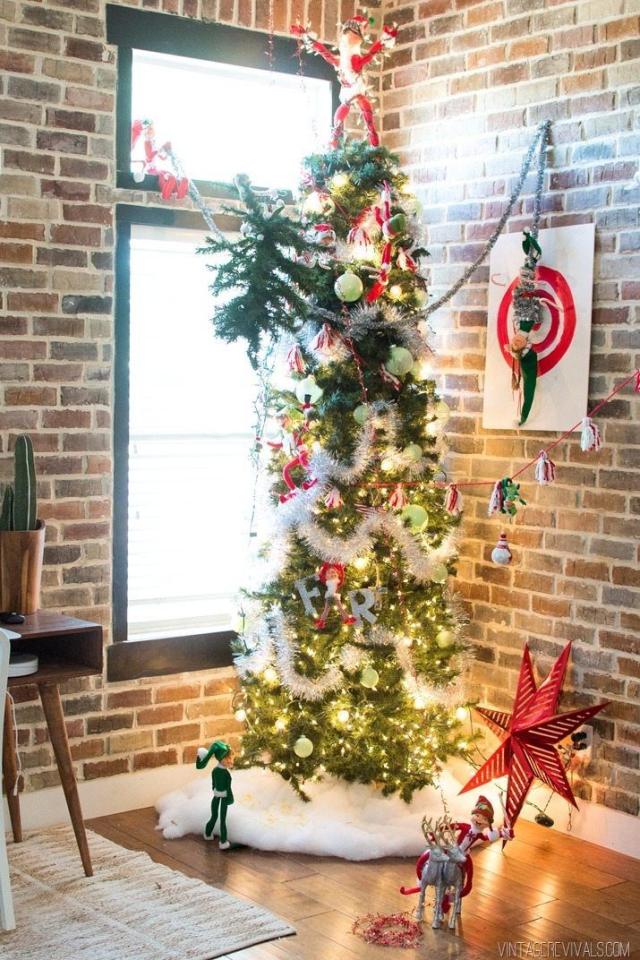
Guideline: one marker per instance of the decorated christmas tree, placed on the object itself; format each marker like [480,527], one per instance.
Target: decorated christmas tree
[351,649]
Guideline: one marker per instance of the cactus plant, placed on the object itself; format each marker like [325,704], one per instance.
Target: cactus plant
[19,510]
[6,517]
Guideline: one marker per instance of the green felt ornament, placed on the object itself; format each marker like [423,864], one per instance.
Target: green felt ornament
[348,287]
[361,413]
[439,573]
[303,747]
[412,452]
[369,678]
[416,516]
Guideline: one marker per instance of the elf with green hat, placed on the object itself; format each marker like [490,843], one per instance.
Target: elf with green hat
[221,784]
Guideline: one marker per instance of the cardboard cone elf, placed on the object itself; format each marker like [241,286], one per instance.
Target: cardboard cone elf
[221,784]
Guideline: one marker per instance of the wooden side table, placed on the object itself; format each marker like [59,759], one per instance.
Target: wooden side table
[67,648]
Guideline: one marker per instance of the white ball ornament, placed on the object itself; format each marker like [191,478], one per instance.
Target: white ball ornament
[400,361]
[348,287]
[303,747]
[440,573]
[501,554]
[369,678]
[308,388]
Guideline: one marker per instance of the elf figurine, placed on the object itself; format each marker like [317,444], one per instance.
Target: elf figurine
[221,784]
[332,575]
[349,64]
[480,830]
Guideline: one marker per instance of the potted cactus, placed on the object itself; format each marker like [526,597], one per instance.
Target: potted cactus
[21,536]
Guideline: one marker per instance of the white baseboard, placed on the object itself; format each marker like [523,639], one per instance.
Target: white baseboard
[130,791]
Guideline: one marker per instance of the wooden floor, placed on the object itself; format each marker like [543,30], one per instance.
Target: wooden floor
[545,887]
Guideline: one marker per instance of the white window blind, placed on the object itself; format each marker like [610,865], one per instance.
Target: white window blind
[191,431]
[223,119]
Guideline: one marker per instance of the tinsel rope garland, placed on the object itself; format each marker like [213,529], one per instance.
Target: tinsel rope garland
[274,643]
[541,140]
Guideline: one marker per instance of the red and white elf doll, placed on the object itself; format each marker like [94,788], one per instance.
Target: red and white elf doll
[170,184]
[332,575]
[349,63]
[480,830]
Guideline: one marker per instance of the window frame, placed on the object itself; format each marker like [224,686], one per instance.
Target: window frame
[131,659]
[131,29]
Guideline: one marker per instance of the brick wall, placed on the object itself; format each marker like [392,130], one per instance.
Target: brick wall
[466,86]
[56,344]
[464,82]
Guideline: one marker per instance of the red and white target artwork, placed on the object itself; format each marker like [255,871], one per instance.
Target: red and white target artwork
[562,339]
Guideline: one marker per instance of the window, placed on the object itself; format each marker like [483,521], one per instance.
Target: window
[190,436]
[184,419]
[254,123]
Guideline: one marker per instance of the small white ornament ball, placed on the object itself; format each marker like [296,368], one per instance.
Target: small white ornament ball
[361,413]
[440,573]
[303,747]
[444,638]
[348,287]
[241,715]
[369,678]
[442,411]
[343,716]
[400,361]
[501,554]
[412,452]
[308,388]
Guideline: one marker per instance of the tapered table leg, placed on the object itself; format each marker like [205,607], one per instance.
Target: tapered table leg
[10,770]
[52,706]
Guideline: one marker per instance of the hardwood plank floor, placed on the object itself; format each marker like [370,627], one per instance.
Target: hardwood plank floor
[546,887]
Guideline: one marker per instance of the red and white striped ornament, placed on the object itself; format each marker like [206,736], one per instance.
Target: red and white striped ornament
[326,341]
[389,378]
[501,553]
[545,471]
[496,500]
[636,383]
[398,498]
[333,499]
[295,360]
[453,500]
[590,438]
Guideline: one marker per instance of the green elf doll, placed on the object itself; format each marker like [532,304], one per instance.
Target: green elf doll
[221,784]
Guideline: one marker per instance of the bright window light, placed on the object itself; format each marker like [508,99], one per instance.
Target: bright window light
[190,420]
[223,120]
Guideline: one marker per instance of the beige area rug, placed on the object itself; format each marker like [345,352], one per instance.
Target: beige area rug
[131,909]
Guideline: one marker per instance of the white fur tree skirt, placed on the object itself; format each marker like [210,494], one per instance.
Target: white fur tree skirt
[351,821]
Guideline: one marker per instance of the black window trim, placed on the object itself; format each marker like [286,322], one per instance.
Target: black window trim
[130,29]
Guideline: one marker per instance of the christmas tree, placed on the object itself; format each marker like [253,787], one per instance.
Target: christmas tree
[351,650]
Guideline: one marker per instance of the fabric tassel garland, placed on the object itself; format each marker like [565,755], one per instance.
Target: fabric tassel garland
[636,385]
[333,499]
[295,360]
[545,471]
[496,501]
[453,500]
[398,498]
[405,261]
[590,438]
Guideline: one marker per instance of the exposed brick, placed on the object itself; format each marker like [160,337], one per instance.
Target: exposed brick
[105,768]
[179,734]
[168,713]
[155,758]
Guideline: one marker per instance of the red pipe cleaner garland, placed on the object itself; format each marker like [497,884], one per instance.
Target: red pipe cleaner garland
[395,930]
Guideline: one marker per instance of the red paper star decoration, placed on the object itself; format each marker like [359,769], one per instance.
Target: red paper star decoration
[527,751]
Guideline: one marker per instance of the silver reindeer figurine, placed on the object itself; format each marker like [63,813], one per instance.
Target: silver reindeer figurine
[440,867]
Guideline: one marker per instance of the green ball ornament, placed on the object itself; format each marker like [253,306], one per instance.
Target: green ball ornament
[400,361]
[412,453]
[440,573]
[361,413]
[416,516]
[369,678]
[303,747]
[442,411]
[421,296]
[444,638]
[348,287]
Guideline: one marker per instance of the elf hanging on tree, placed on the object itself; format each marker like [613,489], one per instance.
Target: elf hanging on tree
[351,649]
[349,63]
